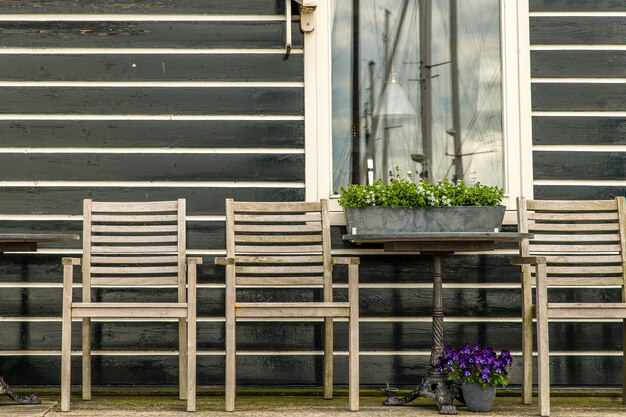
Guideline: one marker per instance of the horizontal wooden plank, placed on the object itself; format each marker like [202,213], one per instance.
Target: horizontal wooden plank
[577,238]
[117,310]
[607,259]
[134,282]
[543,227]
[133,249]
[164,67]
[571,217]
[578,97]
[287,281]
[278,239]
[579,130]
[133,229]
[133,259]
[583,192]
[123,207]
[179,35]
[547,247]
[578,64]
[147,6]
[153,133]
[243,206]
[133,239]
[278,259]
[576,5]
[561,30]
[133,269]
[572,206]
[277,218]
[152,167]
[587,311]
[582,270]
[292,309]
[311,269]
[68,200]
[132,218]
[585,282]
[579,165]
[157,100]
[255,228]
[278,249]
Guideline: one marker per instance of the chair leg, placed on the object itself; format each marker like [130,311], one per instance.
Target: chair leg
[328,358]
[527,342]
[231,376]
[353,370]
[624,363]
[86,328]
[191,364]
[543,343]
[182,358]
[66,358]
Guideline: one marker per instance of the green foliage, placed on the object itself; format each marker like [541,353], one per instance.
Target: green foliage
[404,192]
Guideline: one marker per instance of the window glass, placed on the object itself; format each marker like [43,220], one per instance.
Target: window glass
[381,89]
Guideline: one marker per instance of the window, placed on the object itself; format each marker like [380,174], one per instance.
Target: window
[494,144]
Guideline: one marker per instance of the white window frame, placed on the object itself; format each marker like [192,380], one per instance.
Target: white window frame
[516,106]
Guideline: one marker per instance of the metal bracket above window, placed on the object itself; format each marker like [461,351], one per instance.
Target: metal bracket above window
[307,20]
[307,15]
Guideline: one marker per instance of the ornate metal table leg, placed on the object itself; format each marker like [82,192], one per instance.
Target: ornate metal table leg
[434,386]
[6,389]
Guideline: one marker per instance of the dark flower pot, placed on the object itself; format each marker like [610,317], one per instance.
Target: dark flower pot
[385,220]
[478,399]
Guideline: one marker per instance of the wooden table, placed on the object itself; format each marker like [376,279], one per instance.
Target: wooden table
[27,242]
[436,245]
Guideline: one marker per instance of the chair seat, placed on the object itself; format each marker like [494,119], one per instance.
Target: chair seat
[297,310]
[587,310]
[138,310]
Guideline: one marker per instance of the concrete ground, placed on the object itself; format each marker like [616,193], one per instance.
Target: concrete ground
[140,403]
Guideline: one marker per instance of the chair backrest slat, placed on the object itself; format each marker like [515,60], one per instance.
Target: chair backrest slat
[278,244]
[134,244]
[581,240]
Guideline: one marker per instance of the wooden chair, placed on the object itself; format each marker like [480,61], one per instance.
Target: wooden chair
[132,245]
[287,244]
[577,244]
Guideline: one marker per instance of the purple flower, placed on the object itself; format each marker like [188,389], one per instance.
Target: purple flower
[475,364]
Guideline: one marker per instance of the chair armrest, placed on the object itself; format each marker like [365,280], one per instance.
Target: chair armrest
[223,260]
[72,261]
[194,260]
[528,260]
[346,261]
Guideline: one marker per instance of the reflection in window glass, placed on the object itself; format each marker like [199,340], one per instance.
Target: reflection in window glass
[381,90]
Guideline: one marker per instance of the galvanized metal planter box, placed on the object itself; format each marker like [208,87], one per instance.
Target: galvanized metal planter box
[368,220]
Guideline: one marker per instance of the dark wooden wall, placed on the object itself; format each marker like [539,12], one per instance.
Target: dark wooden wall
[114,109]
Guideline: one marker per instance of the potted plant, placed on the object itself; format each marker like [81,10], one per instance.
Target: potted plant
[405,206]
[479,370]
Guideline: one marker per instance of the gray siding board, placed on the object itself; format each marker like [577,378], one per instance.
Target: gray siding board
[152,167]
[578,64]
[158,100]
[68,199]
[153,133]
[578,192]
[578,97]
[144,6]
[579,165]
[274,371]
[577,5]
[156,67]
[70,34]
[577,30]
[579,130]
